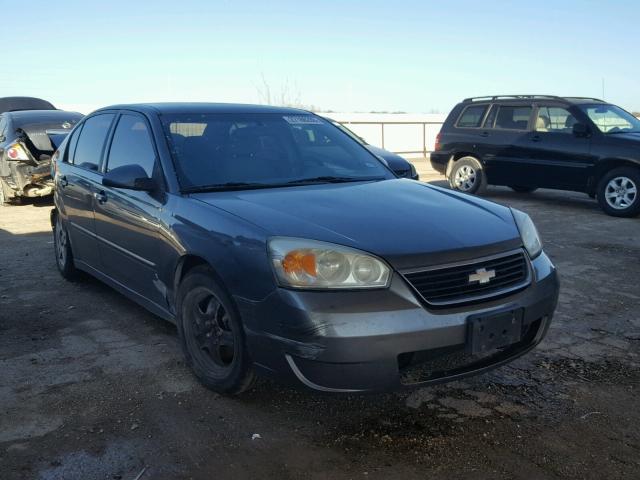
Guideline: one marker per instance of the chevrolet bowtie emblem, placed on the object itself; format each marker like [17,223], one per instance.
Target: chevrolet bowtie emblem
[482,276]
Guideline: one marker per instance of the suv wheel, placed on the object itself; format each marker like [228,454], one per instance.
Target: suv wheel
[618,192]
[211,334]
[467,175]
[520,189]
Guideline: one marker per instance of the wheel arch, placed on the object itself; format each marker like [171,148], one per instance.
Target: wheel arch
[185,264]
[457,156]
[606,165]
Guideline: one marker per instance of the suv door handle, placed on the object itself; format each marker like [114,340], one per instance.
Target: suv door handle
[536,138]
[484,134]
[100,197]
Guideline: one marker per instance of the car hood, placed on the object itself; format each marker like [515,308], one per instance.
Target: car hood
[634,137]
[390,157]
[410,224]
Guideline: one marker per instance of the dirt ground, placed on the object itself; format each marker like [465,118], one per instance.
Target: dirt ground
[94,387]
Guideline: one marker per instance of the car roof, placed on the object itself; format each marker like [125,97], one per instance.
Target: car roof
[203,107]
[39,115]
[532,98]
[11,104]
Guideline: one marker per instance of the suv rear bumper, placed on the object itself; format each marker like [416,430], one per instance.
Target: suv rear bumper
[439,161]
[385,339]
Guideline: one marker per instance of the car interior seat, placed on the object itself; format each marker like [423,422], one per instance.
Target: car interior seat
[542,123]
[254,155]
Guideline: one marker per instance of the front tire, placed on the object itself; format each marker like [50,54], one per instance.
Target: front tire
[211,334]
[618,192]
[467,175]
[62,249]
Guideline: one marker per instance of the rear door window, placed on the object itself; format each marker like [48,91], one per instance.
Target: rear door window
[472,116]
[91,141]
[491,117]
[511,117]
[71,146]
[132,145]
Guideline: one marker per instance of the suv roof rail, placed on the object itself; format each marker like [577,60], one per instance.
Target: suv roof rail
[586,98]
[507,97]
[526,97]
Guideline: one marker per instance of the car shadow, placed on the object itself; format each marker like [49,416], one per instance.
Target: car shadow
[557,198]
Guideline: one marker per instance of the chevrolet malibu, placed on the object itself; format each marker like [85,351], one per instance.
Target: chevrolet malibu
[281,246]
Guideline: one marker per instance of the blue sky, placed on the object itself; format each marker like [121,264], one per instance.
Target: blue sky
[414,56]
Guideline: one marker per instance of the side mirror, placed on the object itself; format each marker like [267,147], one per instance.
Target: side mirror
[580,130]
[130,177]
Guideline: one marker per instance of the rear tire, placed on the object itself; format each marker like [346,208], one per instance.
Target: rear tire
[212,335]
[519,189]
[62,249]
[467,175]
[618,192]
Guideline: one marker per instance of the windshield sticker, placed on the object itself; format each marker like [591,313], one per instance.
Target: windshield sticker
[303,120]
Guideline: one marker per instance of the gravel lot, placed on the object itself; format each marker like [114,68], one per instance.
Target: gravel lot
[94,387]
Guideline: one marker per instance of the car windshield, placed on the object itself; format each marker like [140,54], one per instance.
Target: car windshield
[611,119]
[260,150]
[350,133]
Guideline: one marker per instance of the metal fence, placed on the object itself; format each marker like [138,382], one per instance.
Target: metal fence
[423,126]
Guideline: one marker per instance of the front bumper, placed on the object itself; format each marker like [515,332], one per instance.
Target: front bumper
[360,341]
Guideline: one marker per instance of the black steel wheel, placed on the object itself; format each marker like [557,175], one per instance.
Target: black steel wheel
[211,334]
[62,250]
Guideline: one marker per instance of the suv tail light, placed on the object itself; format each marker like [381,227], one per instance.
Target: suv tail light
[438,145]
[16,152]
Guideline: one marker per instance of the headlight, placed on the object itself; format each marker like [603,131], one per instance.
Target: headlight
[528,232]
[301,263]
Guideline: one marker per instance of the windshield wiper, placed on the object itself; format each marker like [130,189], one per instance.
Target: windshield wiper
[228,186]
[332,179]
[618,132]
[221,187]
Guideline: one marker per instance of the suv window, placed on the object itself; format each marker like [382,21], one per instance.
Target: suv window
[555,120]
[513,117]
[491,117]
[611,119]
[91,141]
[472,116]
[132,145]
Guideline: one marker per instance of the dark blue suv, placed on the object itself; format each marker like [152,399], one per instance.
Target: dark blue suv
[542,141]
[280,245]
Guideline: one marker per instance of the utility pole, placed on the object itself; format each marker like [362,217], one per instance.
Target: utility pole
[602,88]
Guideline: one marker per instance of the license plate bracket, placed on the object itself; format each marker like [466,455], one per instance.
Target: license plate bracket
[487,332]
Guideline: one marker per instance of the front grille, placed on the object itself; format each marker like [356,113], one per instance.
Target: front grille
[451,284]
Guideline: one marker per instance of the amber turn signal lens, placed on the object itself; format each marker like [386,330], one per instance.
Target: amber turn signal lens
[298,262]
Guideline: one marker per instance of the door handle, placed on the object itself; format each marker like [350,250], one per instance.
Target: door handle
[536,138]
[100,197]
[484,134]
[63,181]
